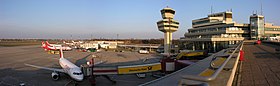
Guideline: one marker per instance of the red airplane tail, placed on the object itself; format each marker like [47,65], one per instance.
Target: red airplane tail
[61,53]
[47,43]
[43,44]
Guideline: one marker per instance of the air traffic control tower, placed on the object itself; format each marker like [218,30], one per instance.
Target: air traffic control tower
[167,25]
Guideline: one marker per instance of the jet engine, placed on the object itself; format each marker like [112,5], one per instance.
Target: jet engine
[55,76]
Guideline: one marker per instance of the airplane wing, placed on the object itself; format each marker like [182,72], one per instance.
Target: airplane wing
[46,68]
[100,62]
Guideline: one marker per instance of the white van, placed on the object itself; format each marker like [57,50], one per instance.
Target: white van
[143,52]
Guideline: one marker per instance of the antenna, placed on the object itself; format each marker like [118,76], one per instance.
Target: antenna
[211,9]
[167,3]
[261,9]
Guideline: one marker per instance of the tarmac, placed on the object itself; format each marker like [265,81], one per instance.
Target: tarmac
[13,71]
[261,65]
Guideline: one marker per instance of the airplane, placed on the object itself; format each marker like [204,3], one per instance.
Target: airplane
[73,42]
[79,42]
[68,43]
[48,46]
[67,67]
[52,44]
[43,45]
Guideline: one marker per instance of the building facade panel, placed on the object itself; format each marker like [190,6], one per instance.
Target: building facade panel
[218,31]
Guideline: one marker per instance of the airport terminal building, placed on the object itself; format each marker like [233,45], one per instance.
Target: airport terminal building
[218,31]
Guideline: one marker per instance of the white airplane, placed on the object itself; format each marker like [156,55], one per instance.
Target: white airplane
[73,42]
[46,47]
[68,43]
[49,46]
[53,44]
[67,67]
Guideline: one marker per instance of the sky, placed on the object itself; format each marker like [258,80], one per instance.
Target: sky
[112,19]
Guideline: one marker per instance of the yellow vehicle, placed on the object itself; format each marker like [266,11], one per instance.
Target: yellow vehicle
[196,55]
[53,52]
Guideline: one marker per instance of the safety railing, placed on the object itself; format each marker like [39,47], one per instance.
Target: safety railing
[204,72]
[217,71]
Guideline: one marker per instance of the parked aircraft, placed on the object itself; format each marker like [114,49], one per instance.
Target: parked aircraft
[67,67]
[48,46]
[52,44]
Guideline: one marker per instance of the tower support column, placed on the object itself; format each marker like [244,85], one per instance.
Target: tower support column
[166,42]
[203,46]
[214,46]
[193,46]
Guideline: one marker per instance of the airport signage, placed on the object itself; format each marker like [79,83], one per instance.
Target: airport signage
[139,68]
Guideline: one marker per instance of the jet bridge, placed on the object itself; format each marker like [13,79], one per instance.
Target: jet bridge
[131,69]
[218,69]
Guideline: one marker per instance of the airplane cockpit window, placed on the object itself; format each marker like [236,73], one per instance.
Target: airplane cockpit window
[75,73]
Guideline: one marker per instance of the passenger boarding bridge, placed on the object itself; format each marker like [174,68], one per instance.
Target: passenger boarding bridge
[218,69]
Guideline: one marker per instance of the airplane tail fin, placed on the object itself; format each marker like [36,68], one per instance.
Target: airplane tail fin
[61,52]
[47,43]
[43,44]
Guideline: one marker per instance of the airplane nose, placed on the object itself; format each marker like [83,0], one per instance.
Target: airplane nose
[80,78]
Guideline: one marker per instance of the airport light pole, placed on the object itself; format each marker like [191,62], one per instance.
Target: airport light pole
[117,36]
[150,45]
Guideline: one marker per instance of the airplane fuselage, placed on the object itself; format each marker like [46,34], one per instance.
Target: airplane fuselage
[48,46]
[71,69]
[67,67]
